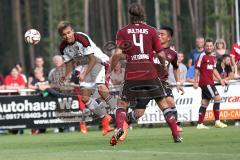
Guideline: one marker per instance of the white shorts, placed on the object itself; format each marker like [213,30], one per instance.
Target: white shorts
[95,77]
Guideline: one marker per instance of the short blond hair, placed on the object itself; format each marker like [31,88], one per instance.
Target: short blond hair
[220,40]
[62,25]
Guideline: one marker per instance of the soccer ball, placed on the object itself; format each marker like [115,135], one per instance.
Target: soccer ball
[32,36]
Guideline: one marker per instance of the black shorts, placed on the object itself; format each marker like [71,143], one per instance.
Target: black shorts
[142,103]
[209,91]
[142,89]
[167,88]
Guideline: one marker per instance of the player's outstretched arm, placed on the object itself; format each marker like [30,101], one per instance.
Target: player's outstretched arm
[91,64]
[196,75]
[69,67]
[161,57]
[176,73]
[217,75]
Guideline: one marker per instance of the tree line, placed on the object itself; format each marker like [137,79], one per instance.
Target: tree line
[101,19]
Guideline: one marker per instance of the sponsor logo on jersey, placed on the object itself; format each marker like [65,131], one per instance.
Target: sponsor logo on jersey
[169,56]
[210,66]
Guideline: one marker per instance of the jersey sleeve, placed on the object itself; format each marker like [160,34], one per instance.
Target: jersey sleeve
[88,48]
[156,42]
[199,61]
[175,62]
[215,63]
[62,47]
[119,38]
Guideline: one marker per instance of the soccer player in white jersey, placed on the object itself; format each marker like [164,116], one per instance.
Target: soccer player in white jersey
[92,70]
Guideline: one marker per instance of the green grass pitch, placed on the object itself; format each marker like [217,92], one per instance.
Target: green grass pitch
[141,144]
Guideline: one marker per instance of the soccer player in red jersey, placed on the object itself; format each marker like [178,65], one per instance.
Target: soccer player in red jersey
[203,77]
[165,36]
[141,75]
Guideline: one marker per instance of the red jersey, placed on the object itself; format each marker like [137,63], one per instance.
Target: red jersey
[171,57]
[206,64]
[235,50]
[144,41]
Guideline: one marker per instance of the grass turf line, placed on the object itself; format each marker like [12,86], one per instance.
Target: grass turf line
[141,144]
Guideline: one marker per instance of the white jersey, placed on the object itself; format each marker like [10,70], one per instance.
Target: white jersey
[82,47]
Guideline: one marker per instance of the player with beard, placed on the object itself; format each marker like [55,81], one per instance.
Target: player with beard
[141,75]
[205,68]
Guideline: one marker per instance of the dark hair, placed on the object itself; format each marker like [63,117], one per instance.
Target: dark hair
[38,57]
[208,40]
[226,56]
[168,29]
[20,64]
[62,25]
[136,12]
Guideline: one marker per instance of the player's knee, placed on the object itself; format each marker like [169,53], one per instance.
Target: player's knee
[122,104]
[163,104]
[205,102]
[217,98]
[139,113]
[170,102]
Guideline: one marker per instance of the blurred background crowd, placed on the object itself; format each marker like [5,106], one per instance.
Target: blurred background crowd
[227,64]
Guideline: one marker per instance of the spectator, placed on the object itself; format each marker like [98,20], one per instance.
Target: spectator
[37,81]
[39,63]
[57,61]
[237,73]
[220,49]
[20,70]
[197,51]
[117,75]
[14,80]
[235,52]
[224,68]
[182,69]
[235,55]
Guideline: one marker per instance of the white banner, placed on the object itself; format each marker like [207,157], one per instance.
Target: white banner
[189,103]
